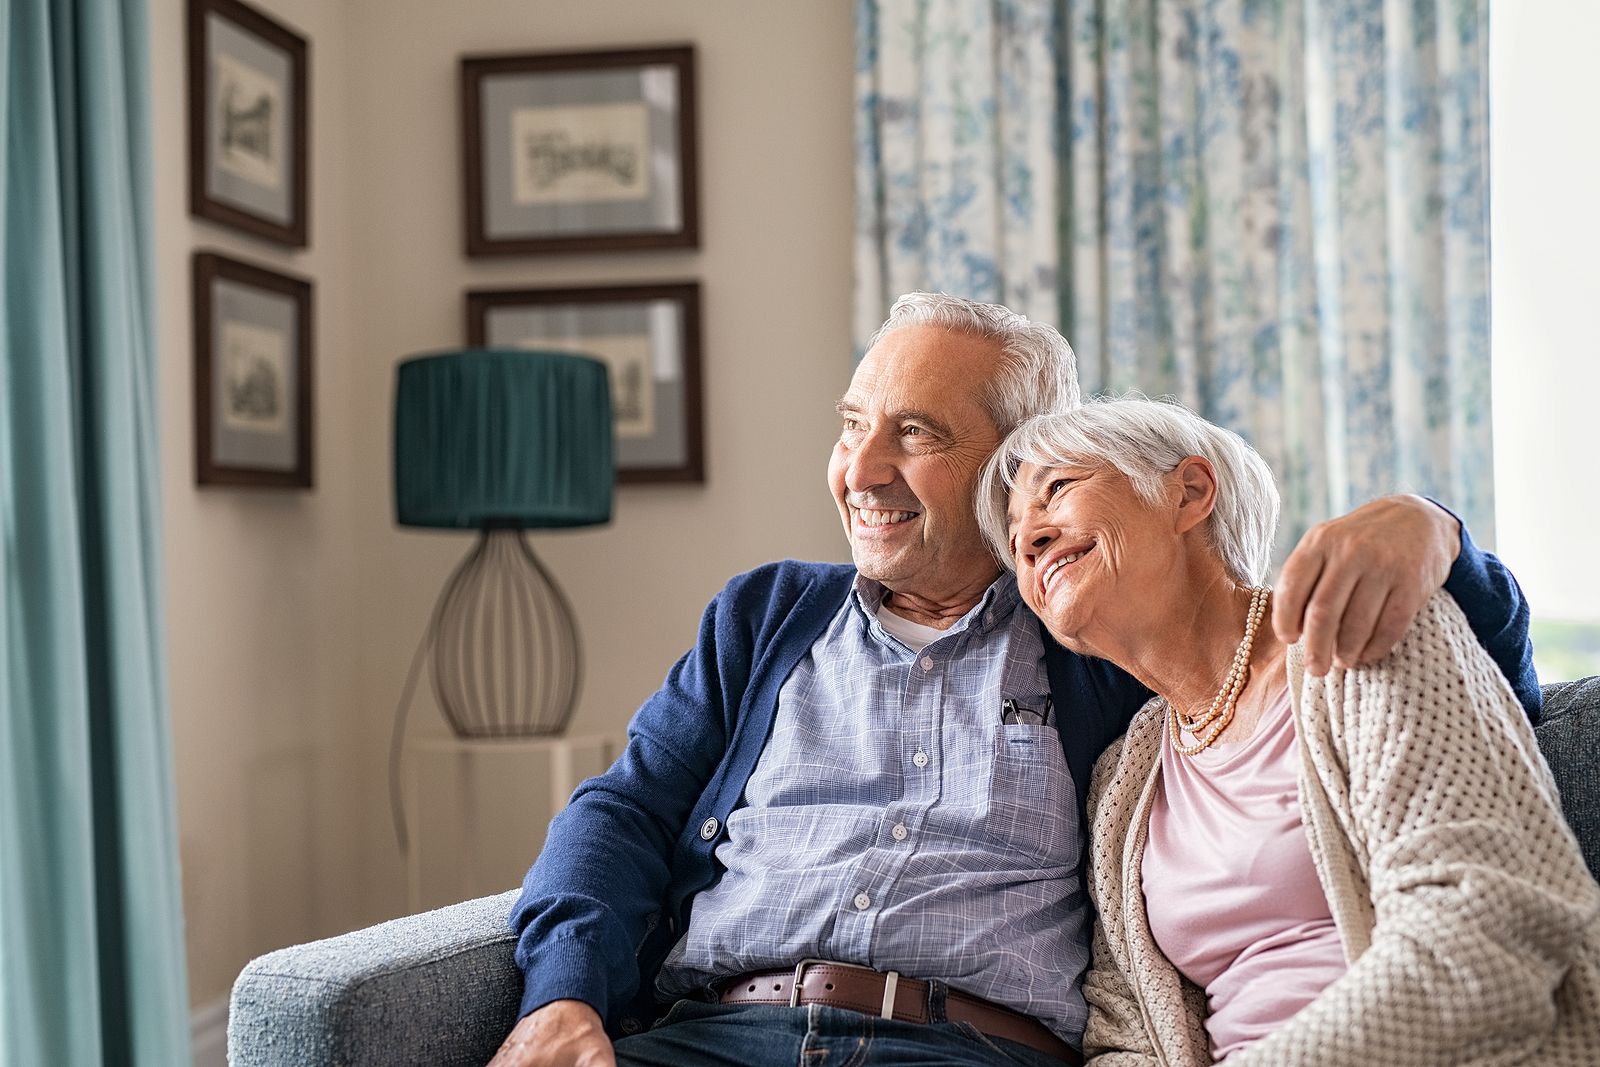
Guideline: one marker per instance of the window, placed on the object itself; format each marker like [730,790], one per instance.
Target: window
[1545,241]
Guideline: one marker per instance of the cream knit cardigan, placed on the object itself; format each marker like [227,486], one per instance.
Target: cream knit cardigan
[1463,903]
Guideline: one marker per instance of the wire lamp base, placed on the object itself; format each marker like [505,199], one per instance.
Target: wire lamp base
[506,659]
[506,662]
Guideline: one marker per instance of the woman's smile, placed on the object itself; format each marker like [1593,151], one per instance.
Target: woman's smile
[1053,566]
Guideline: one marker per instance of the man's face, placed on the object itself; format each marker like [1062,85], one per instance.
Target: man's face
[914,436]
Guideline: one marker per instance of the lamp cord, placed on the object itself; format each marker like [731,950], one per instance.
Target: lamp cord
[397,808]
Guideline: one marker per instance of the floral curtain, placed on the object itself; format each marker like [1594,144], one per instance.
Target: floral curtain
[1274,210]
[956,154]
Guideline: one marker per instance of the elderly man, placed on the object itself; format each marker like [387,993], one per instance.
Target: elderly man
[849,827]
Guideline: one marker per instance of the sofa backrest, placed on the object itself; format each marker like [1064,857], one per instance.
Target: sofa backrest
[1569,737]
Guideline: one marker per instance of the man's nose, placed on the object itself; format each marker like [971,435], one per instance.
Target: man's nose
[871,464]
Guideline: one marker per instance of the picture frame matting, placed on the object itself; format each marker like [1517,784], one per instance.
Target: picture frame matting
[589,151]
[249,115]
[253,375]
[648,334]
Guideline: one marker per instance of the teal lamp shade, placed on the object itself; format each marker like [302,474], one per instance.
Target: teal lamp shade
[502,438]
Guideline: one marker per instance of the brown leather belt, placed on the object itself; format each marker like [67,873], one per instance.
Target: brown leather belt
[845,985]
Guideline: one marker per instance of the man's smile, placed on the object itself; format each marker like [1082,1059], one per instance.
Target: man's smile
[882,516]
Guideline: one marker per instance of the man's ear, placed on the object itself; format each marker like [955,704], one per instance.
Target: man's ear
[1197,480]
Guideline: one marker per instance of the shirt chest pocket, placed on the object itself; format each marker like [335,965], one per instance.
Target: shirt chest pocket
[1032,808]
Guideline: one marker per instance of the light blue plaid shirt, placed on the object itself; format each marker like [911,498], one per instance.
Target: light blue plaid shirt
[895,821]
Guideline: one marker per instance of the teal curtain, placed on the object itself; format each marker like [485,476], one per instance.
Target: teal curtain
[1274,210]
[91,935]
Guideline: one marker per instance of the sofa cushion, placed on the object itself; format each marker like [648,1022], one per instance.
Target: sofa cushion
[1569,737]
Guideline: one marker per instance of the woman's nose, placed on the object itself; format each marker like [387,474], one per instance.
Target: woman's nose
[1035,539]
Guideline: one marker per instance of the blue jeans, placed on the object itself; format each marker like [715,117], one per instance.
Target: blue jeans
[696,1034]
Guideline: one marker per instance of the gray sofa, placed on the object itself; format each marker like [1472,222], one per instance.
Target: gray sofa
[441,988]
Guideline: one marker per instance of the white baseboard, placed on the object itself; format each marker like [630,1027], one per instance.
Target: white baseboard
[208,1033]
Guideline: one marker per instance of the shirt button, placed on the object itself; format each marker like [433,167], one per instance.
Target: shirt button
[927,663]
[863,902]
[899,832]
[988,618]
[920,759]
[708,829]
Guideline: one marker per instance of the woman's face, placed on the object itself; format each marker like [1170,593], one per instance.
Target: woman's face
[1090,552]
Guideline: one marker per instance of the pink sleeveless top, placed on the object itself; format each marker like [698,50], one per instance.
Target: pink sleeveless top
[1229,885]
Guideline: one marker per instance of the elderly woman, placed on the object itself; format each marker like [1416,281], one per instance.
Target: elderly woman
[1365,868]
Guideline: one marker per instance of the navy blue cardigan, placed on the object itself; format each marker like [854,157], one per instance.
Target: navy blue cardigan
[611,892]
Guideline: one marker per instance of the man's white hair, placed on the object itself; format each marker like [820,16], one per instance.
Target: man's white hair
[1038,372]
[1144,439]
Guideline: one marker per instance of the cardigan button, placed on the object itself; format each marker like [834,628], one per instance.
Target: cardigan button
[630,1025]
[709,828]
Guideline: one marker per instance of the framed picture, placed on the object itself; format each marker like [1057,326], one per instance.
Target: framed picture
[252,375]
[248,107]
[579,151]
[649,338]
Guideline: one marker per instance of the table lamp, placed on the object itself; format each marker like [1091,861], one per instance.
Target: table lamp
[501,441]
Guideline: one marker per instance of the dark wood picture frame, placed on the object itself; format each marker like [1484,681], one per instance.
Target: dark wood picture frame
[295,232]
[475,169]
[208,268]
[690,466]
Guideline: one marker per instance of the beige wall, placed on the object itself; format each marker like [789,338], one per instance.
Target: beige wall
[292,617]
[263,602]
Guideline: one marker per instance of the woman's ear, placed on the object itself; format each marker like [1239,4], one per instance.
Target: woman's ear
[1197,479]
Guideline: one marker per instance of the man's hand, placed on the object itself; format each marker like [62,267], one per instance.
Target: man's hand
[563,1033]
[1354,584]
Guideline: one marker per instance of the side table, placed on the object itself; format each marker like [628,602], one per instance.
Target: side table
[480,809]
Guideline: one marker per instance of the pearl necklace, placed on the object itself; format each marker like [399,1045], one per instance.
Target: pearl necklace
[1220,713]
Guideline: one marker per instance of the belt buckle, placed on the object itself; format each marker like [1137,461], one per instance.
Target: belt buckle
[891,981]
[799,975]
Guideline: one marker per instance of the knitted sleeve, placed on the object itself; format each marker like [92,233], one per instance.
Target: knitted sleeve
[1116,1035]
[1480,898]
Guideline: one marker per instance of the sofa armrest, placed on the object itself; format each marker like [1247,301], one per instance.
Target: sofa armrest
[440,988]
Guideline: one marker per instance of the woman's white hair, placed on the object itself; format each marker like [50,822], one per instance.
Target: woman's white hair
[1038,372]
[1144,439]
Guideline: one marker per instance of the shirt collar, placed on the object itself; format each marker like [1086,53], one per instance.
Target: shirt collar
[993,610]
